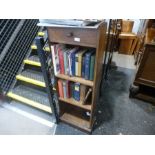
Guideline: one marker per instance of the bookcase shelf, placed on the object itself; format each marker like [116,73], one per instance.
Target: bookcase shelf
[76,103]
[72,111]
[76,121]
[75,79]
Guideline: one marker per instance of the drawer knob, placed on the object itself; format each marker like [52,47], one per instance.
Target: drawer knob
[70,34]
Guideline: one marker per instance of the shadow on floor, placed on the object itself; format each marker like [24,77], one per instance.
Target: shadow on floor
[117,85]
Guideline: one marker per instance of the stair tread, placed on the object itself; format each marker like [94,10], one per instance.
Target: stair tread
[31,94]
[32,74]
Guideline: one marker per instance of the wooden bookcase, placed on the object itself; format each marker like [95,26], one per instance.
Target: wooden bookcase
[71,111]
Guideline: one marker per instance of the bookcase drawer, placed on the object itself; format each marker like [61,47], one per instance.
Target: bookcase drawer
[75,36]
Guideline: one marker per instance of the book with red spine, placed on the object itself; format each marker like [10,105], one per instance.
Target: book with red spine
[61,60]
[60,88]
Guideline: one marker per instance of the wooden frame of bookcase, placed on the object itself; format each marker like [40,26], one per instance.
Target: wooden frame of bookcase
[90,36]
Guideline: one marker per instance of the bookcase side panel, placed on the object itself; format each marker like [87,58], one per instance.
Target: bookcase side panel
[98,67]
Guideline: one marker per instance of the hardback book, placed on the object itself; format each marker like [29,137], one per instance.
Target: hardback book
[72,89]
[73,63]
[83,66]
[61,60]
[87,63]
[77,91]
[65,61]
[92,64]
[60,88]
[83,90]
[68,90]
[80,55]
[78,62]
[55,59]
[71,57]
[64,88]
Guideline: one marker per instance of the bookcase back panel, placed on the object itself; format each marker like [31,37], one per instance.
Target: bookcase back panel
[74,36]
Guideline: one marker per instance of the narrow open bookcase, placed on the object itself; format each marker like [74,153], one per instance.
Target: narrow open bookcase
[77,54]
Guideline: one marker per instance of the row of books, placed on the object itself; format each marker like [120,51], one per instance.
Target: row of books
[73,61]
[77,91]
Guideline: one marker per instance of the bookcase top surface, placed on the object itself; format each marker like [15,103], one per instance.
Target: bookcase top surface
[70,26]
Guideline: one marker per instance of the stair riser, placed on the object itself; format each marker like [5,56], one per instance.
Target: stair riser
[19,82]
[31,67]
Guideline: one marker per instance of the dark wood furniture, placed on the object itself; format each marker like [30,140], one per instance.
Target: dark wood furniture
[71,111]
[144,83]
[145,34]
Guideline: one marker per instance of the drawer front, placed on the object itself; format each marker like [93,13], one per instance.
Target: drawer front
[75,36]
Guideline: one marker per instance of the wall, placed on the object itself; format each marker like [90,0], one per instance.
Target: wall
[135,27]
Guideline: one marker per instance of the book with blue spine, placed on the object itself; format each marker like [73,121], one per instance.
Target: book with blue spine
[73,63]
[77,91]
[92,64]
[71,58]
[72,89]
[83,66]
[87,63]
[76,64]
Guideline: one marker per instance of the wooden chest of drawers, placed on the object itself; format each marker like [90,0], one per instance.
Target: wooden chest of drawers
[144,83]
[146,71]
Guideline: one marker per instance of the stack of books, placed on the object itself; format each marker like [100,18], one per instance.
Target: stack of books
[77,91]
[73,61]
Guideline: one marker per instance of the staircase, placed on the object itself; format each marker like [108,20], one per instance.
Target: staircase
[16,35]
[29,86]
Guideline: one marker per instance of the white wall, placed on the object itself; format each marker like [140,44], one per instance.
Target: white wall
[135,26]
